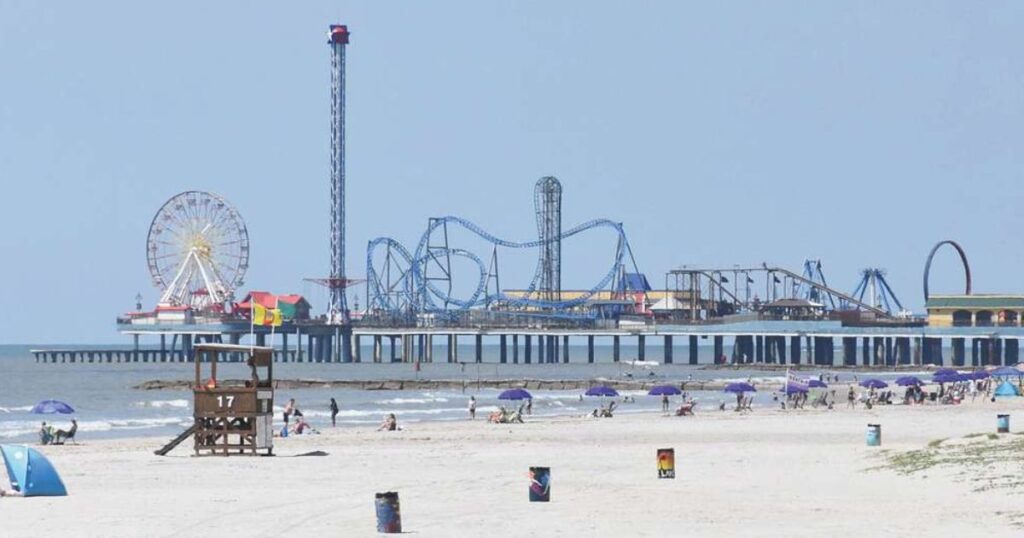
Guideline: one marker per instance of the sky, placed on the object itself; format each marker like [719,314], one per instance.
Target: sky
[718,134]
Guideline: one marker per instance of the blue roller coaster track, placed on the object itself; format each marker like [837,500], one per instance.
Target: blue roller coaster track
[404,282]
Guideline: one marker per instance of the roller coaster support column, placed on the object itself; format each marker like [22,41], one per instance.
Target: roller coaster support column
[641,347]
[479,348]
[615,348]
[528,349]
[719,348]
[503,342]
[515,349]
[959,351]
[565,349]
[590,348]
[694,350]
[1012,352]
[668,349]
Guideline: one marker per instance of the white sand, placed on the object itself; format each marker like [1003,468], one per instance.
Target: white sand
[770,473]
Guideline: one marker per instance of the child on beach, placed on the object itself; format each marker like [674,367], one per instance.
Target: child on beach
[472,407]
[390,423]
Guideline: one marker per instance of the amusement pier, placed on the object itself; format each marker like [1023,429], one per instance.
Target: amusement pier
[437,294]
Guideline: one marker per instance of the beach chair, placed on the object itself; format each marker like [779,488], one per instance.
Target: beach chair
[62,436]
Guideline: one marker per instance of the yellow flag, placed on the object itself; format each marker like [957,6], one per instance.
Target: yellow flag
[259,314]
[276,318]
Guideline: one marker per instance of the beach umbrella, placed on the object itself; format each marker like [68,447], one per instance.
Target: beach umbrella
[816,384]
[908,380]
[980,374]
[950,378]
[795,388]
[739,387]
[601,390]
[515,394]
[1006,371]
[49,407]
[664,390]
[873,384]
[31,473]
[945,371]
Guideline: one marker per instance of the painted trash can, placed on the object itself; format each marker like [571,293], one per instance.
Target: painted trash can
[666,463]
[874,436]
[1003,423]
[389,514]
[540,484]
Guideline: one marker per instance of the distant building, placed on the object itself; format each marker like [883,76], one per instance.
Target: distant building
[975,310]
[292,306]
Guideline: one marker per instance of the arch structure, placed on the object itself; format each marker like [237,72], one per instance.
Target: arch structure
[963,258]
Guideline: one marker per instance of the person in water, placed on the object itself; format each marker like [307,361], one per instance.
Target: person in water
[390,423]
[334,413]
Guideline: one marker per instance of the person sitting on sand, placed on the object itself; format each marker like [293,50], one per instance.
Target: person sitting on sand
[301,426]
[61,435]
[390,423]
[46,434]
[686,408]
[498,416]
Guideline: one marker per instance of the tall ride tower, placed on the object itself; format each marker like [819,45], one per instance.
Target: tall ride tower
[547,198]
[337,311]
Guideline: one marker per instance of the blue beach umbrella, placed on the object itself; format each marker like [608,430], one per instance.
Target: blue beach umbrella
[49,407]
[1006,371]
[816,384]
[979,374]
[950,378]
[795,388]
[739,387]
[945,372]
[664,390]
[515,394]
[873,384]
[31,473]
[908,380]
[601,390]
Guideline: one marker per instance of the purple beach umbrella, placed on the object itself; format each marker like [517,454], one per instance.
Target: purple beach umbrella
[664,390]
[515,394]
[908,380]
[739,387]
[601,390]
[873,384]
[816,384]
[49,407]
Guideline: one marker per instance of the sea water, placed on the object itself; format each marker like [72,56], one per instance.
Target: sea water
[107,405]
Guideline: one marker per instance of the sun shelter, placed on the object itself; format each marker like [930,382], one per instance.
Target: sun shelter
[31,473]
[1007,388]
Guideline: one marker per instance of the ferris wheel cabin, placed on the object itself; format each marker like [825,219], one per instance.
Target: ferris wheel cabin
[233,419]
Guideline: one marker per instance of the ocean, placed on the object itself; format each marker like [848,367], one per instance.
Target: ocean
[107,406]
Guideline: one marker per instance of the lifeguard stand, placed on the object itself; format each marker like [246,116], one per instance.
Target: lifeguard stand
[234,419]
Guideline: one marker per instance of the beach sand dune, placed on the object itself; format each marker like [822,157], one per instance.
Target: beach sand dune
[766,473]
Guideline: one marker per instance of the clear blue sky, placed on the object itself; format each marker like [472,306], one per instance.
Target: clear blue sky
[857,133]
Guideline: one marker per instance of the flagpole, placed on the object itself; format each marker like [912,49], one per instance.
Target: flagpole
[252,324]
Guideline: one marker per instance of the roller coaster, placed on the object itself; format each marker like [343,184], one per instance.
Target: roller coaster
[402,284]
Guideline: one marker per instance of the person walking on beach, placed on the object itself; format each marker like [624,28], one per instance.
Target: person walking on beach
[851,398]
[529,406]
[289,408]
[472,408]
[664,403]
[334,413]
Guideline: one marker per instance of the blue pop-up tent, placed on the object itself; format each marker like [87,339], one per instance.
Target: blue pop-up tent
[1006,389]
[31,473]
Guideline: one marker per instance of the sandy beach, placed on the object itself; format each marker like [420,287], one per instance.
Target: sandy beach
[766,473]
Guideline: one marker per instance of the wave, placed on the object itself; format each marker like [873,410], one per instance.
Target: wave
[17,409]
[18,428]
[159,404]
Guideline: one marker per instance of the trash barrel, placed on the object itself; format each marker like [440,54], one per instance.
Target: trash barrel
[540,484]
[389,515]
[666,463]
[1003,423]
[874,437]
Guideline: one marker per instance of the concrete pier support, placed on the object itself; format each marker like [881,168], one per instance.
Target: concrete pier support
[641,347]
[552,353]
[542,345]
[503,352]
[590,348]
[515,349]
[902,346]
[719,346]
[759,349]
[357,347]
[528,349]
[479,345]
[668,349]
[453,348]
[565,349]
[430,348]
[693,349]
[378,344]
[794,350]
[615,348]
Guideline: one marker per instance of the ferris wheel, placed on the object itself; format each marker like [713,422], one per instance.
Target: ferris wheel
[197,250]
